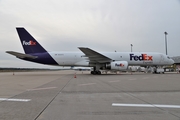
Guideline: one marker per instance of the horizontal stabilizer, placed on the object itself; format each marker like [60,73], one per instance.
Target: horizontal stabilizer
[21,55]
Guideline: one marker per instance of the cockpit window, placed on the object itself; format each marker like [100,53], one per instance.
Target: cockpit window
[168,57]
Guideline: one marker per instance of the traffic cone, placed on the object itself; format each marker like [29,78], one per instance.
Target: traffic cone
[75,75]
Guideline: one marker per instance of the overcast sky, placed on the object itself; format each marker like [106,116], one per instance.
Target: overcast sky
[103,25]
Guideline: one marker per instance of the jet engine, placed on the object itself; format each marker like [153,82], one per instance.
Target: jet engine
[117,65]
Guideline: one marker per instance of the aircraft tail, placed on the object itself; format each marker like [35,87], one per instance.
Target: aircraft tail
[30,45]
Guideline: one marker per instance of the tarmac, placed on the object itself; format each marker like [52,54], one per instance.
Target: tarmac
[77,95]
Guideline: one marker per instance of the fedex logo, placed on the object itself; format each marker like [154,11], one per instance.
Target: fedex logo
[29,43]
[143,57]
[119,65]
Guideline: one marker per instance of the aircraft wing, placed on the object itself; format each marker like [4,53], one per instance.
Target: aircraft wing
[21,55]
[94,57]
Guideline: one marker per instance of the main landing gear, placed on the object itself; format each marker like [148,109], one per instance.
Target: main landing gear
[96,72]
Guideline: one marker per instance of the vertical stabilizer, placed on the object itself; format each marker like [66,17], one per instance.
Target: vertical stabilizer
[30,45]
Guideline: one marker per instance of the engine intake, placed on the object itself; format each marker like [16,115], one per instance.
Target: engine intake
[117,65]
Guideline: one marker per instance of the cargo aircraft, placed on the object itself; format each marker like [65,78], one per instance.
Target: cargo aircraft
[114,61]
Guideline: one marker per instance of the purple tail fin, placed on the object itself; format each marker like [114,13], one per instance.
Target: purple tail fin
[29,44]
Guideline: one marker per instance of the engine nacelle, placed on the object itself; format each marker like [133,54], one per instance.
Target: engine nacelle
[117,65]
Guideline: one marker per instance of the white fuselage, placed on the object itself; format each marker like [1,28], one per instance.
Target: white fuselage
[133,58]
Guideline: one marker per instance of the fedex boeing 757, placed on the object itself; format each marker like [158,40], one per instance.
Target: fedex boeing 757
[115,61]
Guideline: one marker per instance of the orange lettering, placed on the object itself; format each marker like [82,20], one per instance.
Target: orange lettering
[150,58]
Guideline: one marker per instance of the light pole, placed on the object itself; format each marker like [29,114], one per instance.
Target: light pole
[131,47]
[166,41]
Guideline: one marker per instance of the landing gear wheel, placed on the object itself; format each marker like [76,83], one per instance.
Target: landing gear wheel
[96,72]
[99,72]
[92,72]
